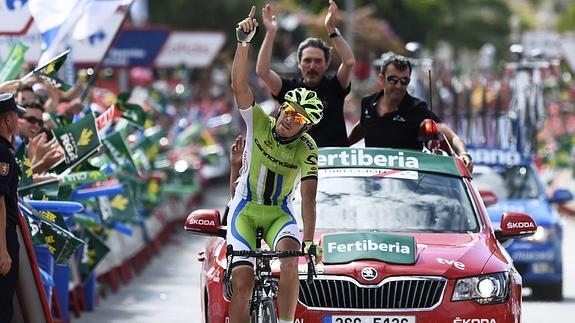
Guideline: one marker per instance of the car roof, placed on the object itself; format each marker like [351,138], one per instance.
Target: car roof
[387,158]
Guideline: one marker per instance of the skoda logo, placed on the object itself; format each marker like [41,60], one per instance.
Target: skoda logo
[369,273]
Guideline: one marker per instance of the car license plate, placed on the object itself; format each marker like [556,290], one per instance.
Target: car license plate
[368,319]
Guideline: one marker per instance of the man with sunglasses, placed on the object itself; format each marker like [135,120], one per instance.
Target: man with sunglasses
[31,123]
[391,117]
[313,56]
[278,154]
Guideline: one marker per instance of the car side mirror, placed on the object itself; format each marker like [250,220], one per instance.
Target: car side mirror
[561,195]
[515,225]
[205,222]
[489,198]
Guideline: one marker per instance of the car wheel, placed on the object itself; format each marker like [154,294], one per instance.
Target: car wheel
[551,292]
[265,312]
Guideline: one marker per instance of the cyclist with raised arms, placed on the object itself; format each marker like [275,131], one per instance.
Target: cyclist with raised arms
[277,154]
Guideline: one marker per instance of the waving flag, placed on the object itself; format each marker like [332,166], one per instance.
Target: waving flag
[57,20]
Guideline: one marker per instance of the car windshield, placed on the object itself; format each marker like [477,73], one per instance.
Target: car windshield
[507,182]
[404,201]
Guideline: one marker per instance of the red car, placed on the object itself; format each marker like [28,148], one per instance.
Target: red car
[406,239]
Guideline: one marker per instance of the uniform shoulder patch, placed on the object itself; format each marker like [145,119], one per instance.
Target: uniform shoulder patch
[308,141]
[4,169]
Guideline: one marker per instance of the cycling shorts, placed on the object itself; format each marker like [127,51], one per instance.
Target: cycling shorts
[277,221]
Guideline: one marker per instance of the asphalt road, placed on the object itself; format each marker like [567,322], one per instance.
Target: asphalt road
[168,289]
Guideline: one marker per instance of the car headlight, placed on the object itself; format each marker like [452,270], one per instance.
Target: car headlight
[484,289]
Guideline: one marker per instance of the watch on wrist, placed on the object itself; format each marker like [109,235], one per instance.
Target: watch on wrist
[465,153]
[334,33]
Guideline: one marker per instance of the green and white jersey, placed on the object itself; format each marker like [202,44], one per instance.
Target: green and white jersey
[271,170]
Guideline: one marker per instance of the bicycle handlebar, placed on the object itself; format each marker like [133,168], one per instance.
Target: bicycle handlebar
[269,254]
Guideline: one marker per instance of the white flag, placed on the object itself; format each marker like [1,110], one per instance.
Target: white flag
[57,20]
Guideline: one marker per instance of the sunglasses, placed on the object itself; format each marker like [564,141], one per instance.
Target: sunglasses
[290,111]
[34,120]
[394,79]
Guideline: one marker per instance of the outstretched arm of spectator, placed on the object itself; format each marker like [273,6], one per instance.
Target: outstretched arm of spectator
[242,92]
[9,86]
[263,67]
[236,162]
[356,134]
[342,48]
[458,145]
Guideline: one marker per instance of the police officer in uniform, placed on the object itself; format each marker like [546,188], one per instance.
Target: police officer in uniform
[9,113]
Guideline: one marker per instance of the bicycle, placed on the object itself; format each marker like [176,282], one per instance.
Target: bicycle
[262,306]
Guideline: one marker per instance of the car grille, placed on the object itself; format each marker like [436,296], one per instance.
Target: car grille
[394,293]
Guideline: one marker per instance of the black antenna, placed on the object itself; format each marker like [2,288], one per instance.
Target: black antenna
[430,95]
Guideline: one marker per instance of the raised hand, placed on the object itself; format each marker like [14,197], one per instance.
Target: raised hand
[237,151]
[247,28]
[331,16]
[270,21]
[248,24]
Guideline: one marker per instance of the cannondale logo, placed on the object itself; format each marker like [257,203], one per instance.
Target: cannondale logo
[369,273]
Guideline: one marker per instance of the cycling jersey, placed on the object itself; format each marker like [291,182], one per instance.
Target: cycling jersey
[269,173]
[270,170]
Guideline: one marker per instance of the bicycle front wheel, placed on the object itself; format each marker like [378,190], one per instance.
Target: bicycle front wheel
[265,312]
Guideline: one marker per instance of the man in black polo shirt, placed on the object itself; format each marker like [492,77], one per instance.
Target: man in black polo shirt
[391,117]
[9,112]
[313,60]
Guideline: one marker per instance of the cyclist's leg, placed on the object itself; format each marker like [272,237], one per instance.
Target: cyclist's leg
[241,235]
[284,235]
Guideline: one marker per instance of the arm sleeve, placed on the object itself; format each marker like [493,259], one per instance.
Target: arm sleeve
[255,117]
[426,112]
[286,86]
[334,84]
[308,160]
[363,108]
[6,169]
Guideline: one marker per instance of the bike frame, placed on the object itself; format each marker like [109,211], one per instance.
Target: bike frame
[265,287]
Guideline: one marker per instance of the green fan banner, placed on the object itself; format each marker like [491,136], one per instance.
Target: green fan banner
[93,252]
[13,64]
[83,177]
[118,152]
[79,140]
[61,243]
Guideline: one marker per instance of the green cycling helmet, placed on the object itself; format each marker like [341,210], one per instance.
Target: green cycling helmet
[308,101]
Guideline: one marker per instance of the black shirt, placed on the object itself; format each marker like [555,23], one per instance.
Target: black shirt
[397,129]
[9,181]
[330,131]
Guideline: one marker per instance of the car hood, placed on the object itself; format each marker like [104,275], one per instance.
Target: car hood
[537,208]
[449,255]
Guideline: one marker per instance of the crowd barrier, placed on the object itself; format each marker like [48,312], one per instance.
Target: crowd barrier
[48,292]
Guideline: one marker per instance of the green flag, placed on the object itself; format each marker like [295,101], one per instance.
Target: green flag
[118,153]
[61,243]
[49,191]
[13,63]
[134,114]
[80,140]
[35,231]
[130,111]
[25,167]
[49,70]
[117,208]
[83,177]
[93,252]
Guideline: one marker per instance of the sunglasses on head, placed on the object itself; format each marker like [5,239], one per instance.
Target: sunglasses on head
[392,79]
[290,111]
[34,120]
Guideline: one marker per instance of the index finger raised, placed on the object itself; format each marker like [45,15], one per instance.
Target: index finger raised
[252,12]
